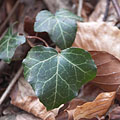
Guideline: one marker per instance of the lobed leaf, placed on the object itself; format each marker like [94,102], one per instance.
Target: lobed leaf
[57,77]
[61,27]
[8,45]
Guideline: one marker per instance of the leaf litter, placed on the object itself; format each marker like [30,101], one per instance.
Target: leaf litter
[101,36]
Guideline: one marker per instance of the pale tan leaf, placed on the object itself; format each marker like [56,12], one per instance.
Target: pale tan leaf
[26,117]
[93,36]
[99,12]
[24,97]
[96,108]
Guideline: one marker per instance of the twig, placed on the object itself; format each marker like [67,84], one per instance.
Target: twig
[35,37]
[117,7]
[106,10]
[9,16]
[80,7]
[30,43]
[11,85]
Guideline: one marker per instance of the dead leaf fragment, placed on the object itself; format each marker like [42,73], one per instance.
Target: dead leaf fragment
[115,114]
[96,108]
[93,36]
[108,71]
[89,92]
[99,12]
[24,97]
[26,117]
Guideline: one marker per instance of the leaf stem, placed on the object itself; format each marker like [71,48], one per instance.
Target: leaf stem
[11,85]
[35,37]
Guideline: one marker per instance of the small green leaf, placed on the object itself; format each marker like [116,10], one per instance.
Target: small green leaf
[57,77]
[61,27]
[8,45]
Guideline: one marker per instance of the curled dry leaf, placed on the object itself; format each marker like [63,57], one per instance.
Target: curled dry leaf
[108,71]
[99,12]
[93,36]
[66,112]
[23,97]
[96,108]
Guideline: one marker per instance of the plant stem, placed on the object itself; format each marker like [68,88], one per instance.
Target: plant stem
[11,85]
[35,37]
[80,7]
[30,43]
[106,10]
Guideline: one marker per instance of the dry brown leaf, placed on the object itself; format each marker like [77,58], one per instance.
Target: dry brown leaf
[66,112]
[54,5]
[115,114]
[93,36]
[108,71]
[96,108]
[89,92]
[24,97]
[98,13]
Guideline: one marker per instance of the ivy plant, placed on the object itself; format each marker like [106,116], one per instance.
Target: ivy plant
[56,77]
[9,43]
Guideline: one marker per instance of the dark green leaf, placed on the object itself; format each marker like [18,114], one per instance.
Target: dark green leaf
[8,45]
[57,77]
[61,27]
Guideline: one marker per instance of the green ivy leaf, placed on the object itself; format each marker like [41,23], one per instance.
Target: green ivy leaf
[57,77]
[61,27]
[8,45]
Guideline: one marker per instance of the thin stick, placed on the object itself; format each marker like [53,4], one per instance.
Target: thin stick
[80,7]
[117,7]
[11,85]
[9,16]
[35,37]
[30,43]
[106,10]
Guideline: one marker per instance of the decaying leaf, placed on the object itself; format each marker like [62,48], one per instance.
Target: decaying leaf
[93,36]
[99,12]
[55,5]
[89,92]
[66,112]
[28,25]
[96,108]
[26,117]
[86,10]
[115,114]
[108,71]
[23,97]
